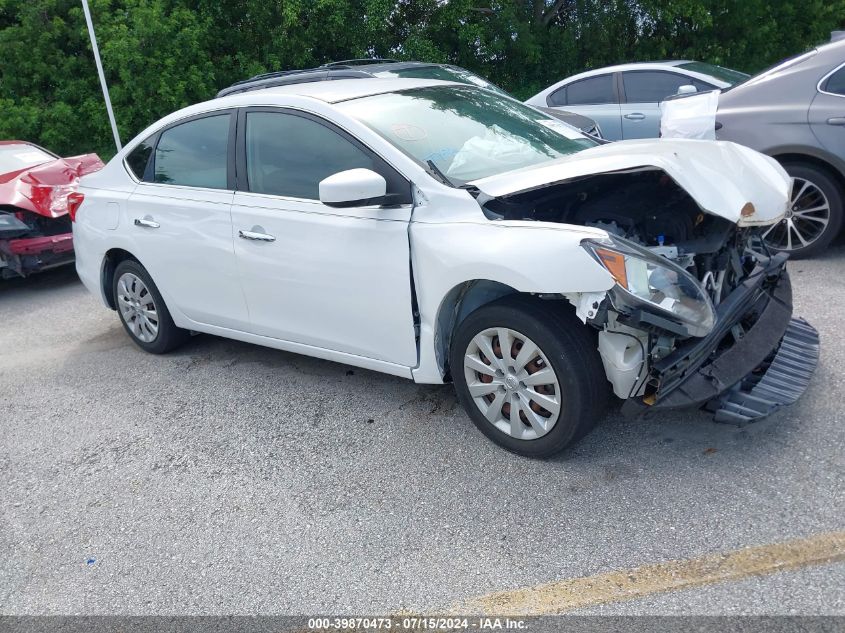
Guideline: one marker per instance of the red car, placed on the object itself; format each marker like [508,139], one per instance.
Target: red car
[35,231]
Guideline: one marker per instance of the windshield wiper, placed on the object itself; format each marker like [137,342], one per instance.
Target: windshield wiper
[435,171]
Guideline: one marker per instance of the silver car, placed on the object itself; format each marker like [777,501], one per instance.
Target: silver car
[795,112]
[625,99]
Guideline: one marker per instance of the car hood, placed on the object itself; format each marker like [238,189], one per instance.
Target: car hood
[43,189]
[721,177]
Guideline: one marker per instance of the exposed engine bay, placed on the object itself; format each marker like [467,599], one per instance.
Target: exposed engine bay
[649,209]
[646,208]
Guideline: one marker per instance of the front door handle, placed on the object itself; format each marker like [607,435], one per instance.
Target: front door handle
[837,120]
[252,235]
[146,223]
[635,116]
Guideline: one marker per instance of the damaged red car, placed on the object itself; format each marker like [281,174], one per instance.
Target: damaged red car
[35,231]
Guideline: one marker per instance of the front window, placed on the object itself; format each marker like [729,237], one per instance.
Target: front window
[464,132]
[728,75]
[17,156]
[288,155]
[443,73]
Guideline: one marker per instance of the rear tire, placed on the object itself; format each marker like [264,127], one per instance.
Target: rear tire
[142,311]
[814,198]
[555,409]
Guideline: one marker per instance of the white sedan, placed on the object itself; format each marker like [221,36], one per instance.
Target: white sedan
[443,232]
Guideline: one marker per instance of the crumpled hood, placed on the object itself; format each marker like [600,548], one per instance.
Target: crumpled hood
[722,177]
[43,189]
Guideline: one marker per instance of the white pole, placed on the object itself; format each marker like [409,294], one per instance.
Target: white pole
[100,71]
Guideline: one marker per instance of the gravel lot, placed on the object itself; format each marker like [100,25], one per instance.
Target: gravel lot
[229,478]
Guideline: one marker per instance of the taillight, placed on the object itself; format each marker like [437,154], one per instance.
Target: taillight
[74,200]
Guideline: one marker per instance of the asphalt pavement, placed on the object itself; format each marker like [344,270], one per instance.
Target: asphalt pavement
[228,478]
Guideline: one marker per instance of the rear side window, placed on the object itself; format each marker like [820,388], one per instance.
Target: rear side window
[138,158]
[194,153]
[645,86]
[836,83]
[288,155]
[590,91]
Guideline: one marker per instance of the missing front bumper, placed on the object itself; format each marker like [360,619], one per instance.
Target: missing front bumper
[745,379]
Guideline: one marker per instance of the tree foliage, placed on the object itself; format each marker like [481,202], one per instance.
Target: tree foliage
[160,55]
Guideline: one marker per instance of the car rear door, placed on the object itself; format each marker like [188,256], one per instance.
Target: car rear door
[827,113]
[642,91]
[594,97]
[334,279]
[180,219]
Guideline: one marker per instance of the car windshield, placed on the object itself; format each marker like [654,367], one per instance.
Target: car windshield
[727,75]
[466,133]
[17,156]
[443,73]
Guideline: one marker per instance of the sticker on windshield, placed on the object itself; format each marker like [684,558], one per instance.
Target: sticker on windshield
[561,128]
[408,132]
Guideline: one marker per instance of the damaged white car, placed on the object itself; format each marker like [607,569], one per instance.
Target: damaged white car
[441,232]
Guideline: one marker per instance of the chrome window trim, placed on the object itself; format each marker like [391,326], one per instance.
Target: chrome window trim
[825,78]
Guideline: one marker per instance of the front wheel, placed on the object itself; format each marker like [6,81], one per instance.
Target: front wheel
[814,215]
[528,374]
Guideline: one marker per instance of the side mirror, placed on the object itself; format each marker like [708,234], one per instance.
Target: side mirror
[687,89]
[353,188]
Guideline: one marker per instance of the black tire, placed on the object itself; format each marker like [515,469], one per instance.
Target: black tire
[168,336]
[832,191]
[570,348]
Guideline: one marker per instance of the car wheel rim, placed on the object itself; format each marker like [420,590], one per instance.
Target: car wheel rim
[137,307]
[806,218]
[512,383]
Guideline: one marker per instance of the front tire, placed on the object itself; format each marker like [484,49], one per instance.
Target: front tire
[529,356]
[142,311]
[814,215]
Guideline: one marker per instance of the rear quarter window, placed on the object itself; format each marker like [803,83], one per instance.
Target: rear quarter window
[139,157]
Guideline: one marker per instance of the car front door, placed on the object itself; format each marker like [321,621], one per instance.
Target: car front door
[593,97]
[642,92]
[180,218]
[827,113]
[328,278]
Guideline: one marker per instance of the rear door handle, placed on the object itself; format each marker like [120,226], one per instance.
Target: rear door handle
[259,237]
[837,120]
[635,116]
[146,223]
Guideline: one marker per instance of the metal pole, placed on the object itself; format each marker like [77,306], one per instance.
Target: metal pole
[100,71]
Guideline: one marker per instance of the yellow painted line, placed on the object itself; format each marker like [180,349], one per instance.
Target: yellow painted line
[628,584]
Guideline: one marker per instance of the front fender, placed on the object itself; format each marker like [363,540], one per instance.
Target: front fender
[530,257]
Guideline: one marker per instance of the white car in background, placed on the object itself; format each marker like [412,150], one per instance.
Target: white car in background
[442,232]
[625,99]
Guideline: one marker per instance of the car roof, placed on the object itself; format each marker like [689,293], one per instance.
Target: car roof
[336,90]
[332,71]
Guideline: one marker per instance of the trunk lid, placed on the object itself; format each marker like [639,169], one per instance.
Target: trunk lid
[43,189]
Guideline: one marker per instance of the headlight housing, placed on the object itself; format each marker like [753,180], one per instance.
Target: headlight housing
[654,283]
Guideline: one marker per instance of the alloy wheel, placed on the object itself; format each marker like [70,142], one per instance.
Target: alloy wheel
[512,382]
[806,218]
[137,307]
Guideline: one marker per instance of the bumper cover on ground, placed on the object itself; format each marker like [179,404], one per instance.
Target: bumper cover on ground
[779,382]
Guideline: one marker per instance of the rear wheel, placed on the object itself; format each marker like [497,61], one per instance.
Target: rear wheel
[142,311]
[529,377]
[814,215]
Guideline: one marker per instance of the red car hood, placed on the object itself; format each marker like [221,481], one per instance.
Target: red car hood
[43,189]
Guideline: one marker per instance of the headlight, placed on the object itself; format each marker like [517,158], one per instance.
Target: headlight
[653,281]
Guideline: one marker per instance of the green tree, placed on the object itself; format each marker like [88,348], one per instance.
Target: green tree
[160,55]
